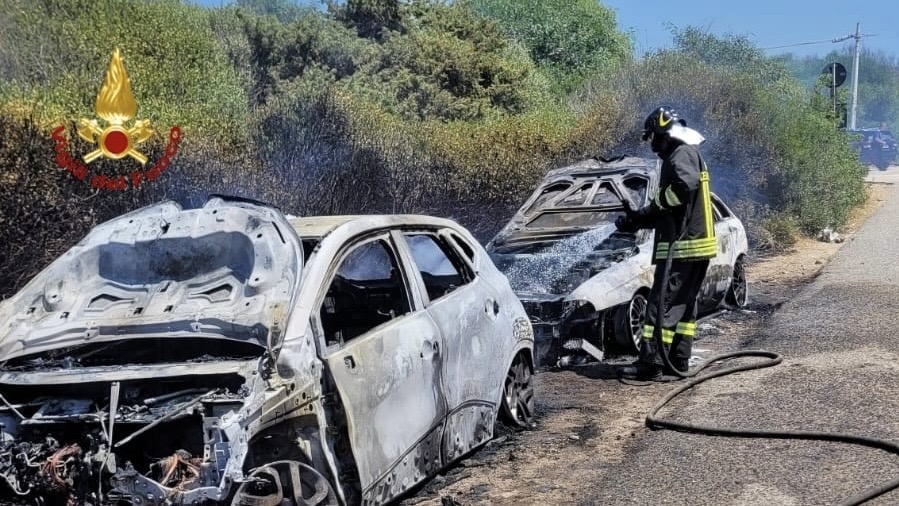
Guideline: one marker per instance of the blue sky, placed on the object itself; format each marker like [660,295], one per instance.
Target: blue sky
[767,23]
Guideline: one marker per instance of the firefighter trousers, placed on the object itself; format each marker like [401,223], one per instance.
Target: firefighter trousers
[679,312]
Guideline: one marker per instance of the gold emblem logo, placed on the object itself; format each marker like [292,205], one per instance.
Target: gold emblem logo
[115,139]
[116,106]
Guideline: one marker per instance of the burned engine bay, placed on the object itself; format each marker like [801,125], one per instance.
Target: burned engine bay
[84,440]
[139,367]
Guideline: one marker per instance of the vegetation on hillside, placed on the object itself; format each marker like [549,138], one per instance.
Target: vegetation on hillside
[448,108]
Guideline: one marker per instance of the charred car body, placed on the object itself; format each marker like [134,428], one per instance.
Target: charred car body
[228,354]
[583,283]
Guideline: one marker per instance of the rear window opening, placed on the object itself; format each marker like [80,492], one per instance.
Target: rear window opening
[636,188]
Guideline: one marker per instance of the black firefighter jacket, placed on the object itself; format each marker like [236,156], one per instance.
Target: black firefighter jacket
[681,212]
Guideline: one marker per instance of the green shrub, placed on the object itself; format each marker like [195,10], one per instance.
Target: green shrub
[447,108]
[779,231]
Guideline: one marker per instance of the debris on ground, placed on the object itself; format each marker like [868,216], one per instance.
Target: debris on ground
[829,235]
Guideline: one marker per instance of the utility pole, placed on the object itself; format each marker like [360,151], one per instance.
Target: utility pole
[858,40]
[855,57]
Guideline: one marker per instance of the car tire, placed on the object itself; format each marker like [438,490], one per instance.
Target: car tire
[738,291]
[518,393]
[629,319]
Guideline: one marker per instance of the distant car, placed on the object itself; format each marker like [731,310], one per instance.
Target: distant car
[228,354]
[585,284]
[876,146]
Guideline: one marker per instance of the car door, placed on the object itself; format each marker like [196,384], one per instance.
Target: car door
[721,266]
[383,350]
[466,310]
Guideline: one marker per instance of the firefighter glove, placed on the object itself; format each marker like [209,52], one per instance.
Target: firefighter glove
[625,224]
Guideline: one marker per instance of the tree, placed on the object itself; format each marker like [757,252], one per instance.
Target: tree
[371,18]
[570,38]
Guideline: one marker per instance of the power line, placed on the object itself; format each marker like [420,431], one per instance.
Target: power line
[801,44]
[828,41]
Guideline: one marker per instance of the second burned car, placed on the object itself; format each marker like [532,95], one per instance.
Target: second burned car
[583,283]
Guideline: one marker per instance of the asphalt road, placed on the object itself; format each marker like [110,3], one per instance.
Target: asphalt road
[889,175]
[840,340]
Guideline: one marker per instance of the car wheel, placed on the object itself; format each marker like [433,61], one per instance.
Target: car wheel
[738,293]
[518,393]
[629,320]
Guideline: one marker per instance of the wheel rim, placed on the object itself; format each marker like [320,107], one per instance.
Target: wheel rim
[739,286]
[518,398]
[637,317]
[298,483]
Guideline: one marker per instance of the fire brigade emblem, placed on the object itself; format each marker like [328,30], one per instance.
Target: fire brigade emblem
[116,106]
[116,137]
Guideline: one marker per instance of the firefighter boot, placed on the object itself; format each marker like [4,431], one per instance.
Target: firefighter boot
[642,371]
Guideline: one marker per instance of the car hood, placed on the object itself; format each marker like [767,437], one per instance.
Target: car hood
[227,270]
[557,264]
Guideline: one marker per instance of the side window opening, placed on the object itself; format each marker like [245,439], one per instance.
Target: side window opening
[441,270]
[308,247]
[716,213]
[464,246]
[366,291]
[719,210]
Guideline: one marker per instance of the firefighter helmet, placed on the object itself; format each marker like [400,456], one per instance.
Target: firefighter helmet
[660,122]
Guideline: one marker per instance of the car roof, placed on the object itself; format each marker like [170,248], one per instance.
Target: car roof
[317,226]
[596,167]
[320,226]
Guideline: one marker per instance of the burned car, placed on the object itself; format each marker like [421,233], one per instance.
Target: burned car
[585,284]
[229,354]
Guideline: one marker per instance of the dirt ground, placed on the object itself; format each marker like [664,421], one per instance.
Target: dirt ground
[586,417]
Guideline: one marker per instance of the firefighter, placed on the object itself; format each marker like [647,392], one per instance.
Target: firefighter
[681,216]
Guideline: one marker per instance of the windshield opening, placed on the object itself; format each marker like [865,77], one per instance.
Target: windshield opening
[574,219]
